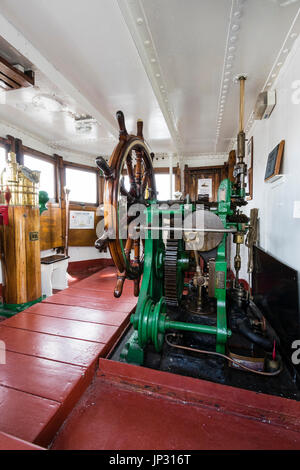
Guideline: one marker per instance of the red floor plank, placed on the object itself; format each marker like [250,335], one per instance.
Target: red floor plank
[63,299]
[8,442]
[104,317]
[56,348]
[61,327]
[25,416]
[99,284]
[105,294]
[111,417]
[51,353]
[41,377]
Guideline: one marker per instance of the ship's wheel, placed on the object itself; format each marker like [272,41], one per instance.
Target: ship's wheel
[129,179]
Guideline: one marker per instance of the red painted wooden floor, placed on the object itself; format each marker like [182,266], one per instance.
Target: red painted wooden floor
[8,442]
[52,350]
[133,408]
[48,387]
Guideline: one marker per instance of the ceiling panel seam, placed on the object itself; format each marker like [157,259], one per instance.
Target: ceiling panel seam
[234,20]
[136,21]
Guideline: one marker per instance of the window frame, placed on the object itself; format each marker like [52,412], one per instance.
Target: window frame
[88,169]
[49,159]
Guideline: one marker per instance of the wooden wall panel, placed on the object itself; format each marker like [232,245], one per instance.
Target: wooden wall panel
[51,227]
[83,237]
[21,261]
[191,176]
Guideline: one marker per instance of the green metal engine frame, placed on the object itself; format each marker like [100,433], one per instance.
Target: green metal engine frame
[150,320]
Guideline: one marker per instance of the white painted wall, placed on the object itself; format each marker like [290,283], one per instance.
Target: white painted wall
[279,229]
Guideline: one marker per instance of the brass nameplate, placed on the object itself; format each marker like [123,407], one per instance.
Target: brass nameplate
[33,236]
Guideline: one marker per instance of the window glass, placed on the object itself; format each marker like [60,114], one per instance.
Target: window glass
[162,185]
[47,177]
[82,185]
[2,159]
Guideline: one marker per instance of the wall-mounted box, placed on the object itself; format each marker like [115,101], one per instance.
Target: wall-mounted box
[265,104]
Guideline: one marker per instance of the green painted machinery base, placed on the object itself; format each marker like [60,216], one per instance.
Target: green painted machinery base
[9,310]
[132,352]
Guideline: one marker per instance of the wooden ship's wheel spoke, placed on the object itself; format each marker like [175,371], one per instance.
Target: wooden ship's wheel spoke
[131,176]
[132,157]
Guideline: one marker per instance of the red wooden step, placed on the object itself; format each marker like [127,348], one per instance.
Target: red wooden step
[63,299]
[62,327]
[8,442]
[27,416]
[105,317]
[41,377]
[57,348]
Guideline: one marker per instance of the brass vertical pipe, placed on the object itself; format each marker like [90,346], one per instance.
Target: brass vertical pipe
[240,167]
[242,102]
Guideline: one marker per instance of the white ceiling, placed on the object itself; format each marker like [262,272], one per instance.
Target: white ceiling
[168,62]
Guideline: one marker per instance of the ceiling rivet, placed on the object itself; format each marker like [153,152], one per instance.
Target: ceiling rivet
[237,14]
[139,20]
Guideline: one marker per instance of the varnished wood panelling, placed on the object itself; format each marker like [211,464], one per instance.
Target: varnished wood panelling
[21,260]
[33,267]
[51,227]
[83,237]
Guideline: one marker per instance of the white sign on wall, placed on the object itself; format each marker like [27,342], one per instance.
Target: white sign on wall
[205,186]
[82,219]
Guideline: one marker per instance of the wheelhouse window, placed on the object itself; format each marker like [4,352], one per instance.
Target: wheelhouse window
[163,186]
[2,158]
[82,185]
[47,176]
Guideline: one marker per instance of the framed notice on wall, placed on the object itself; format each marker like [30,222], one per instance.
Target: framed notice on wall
[274,161]
[82,220]
[205,186]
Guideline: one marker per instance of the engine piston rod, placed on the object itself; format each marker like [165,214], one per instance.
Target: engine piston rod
[178,229]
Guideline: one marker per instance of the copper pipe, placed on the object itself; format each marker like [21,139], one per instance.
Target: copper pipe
[214,353]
